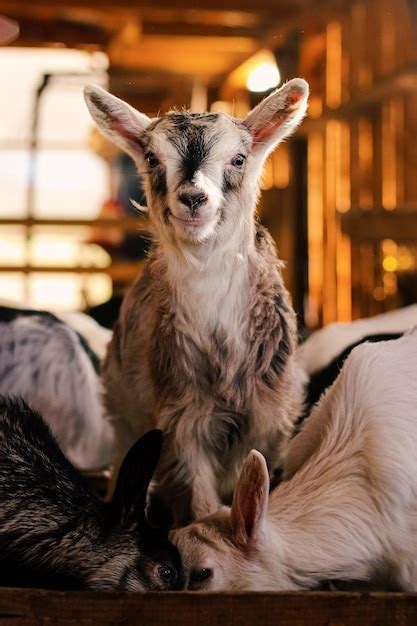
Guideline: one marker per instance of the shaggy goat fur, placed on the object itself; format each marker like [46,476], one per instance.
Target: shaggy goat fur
[56,533]
[204,344]
[52,366]
[348,508]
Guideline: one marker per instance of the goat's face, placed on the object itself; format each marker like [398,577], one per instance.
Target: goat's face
[137,557]
[201,171]
[211,559]
[194,164]
[231,550]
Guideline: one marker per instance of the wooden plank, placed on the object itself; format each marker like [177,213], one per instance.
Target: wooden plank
[25,607]
[35,31]
[127,224]
[214,5]
[184,29]
[400,81]
[116,271]
[374,227]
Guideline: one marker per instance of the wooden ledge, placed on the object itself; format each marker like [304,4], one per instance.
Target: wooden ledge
[27,607]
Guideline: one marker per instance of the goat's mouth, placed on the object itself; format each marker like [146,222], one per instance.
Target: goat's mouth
[189,222]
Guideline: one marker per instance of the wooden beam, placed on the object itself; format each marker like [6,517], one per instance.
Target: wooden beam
[269,6]
[37,32]
[116,271]
[127,224]
[374,227]
[184,29]
[30,607]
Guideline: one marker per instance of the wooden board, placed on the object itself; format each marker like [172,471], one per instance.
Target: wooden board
[35,607]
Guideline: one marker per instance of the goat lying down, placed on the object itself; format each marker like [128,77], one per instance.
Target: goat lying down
[204,345]
[56,533]
[348,508]
[53,367]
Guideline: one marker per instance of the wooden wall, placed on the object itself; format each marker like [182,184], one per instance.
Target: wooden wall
[362,158]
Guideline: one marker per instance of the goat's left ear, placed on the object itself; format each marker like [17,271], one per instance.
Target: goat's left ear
[277,116]
[250,501]
[138,467]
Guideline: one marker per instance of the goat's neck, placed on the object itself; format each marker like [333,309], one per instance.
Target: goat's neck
[324,520]
[209,281]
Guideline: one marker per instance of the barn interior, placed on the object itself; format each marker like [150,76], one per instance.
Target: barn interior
[340,198]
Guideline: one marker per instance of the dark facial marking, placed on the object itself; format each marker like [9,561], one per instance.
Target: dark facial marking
[190,136]
[157,555]
[158,182]
[232,180]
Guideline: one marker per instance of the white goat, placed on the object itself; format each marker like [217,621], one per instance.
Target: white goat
[348,508]
[325,344]
[204,346]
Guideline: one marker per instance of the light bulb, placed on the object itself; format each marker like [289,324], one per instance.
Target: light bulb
[263,77]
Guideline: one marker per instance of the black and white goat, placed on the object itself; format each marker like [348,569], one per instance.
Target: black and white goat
[347,509]
[52,365]
[56,533]
[204,345]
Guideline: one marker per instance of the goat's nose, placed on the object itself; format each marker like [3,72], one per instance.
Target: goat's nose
[193,199]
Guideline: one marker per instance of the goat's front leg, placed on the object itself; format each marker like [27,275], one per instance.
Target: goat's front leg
[186,475]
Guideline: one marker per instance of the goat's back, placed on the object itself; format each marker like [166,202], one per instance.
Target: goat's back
[371,410]
[43,502]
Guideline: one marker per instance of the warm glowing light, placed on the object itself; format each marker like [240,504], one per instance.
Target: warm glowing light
[334,65]
[390,264]
[264,77]
[389,247]
[379,294]
[405,262]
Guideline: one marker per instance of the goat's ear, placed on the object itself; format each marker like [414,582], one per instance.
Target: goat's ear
[117,120]
[250,501]
[277,116]
[129,499]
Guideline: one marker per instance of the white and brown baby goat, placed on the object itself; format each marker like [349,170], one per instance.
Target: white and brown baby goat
[348,510]
[204,345]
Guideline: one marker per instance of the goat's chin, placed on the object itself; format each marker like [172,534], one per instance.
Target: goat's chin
[193,231]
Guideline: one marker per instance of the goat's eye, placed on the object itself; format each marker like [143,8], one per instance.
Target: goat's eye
[152,160]
[166,573]
[238,160]
[200,575]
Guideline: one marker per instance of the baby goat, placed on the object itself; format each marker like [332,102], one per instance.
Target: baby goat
[204,345]
[53,367]
[56,533]
[348,510]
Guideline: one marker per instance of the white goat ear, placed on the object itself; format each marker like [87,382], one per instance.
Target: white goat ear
[116,119]
[277,116]
[250,501]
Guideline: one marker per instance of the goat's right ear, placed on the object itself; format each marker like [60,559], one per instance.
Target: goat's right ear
[250,501]
[116,119]
[138,467]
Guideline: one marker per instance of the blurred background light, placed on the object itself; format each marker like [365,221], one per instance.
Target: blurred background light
[263,77]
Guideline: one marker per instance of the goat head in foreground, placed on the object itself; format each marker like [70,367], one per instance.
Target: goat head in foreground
[204,345]
[56,533]
[348,507]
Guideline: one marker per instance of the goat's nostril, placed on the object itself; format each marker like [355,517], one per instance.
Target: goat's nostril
[193,199]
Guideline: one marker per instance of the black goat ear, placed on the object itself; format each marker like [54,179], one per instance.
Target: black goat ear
[136,471]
